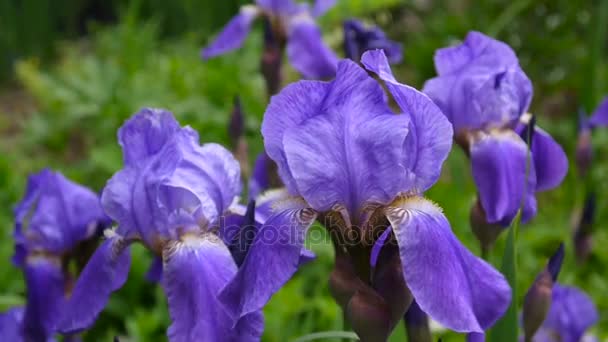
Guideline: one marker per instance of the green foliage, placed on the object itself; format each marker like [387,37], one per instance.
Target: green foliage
[96,83]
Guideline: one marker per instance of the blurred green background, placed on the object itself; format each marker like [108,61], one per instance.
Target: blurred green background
[71,71]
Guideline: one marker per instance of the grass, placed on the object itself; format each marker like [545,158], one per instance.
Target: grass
[69,113]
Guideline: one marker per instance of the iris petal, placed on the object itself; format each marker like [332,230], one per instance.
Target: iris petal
[499,163]
[449,283]
[233,35]
[106,272]
[307,52]
[196,268]
[45,297]
[273,257]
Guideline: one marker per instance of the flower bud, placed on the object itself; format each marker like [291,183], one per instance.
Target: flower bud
[417,324]
[584,229]
[272,58]
[538,298]
[369,315]
[584,151]
[343,281]
[485,232]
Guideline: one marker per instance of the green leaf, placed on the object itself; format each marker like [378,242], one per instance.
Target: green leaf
[506,328]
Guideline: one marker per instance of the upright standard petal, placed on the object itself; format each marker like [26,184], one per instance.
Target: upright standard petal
[45,296]
[145,134]
[329,138]
[234,33]
[449,283]
[599,118]
[106,272]
[499,162]
[477,49]
[430,137]
[55,214]
[196,269]
[572,312]
[306,50]
[480,84]
[273,257]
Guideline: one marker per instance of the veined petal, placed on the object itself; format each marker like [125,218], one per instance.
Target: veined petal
[55,214]
[306,50]
[11,324]
[234,33]
[449,283]
[45,296]
[145,134]
[106,272]
[430,134]
[480,84]
[337,111]
[499,162]
[195,270]
[600,115]
[273,257]
[572,312]
[364,167]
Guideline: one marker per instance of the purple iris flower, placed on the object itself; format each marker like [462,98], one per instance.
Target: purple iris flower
[358,38]
[599,118]
[174,196]
[293,24]
[348,159]
[571,314]
[54,218]
[484,93]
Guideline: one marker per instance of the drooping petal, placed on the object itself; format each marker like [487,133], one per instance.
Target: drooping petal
[449,283]
[600,115]
[550,161]
[11,324]
[45,296]
[106,272]
[322,6]
[273,257]
[234,33]
[306,50]
[572,312]
[430,137]
[499,163]
[196,269]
